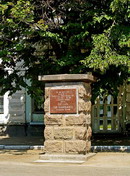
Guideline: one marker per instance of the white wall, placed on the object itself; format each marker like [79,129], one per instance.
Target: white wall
[14,108]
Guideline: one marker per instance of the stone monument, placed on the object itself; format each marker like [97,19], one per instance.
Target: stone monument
[67,114]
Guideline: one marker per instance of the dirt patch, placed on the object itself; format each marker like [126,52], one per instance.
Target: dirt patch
[116,160]
[20,155]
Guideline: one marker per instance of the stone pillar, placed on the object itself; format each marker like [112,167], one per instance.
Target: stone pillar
[67,113]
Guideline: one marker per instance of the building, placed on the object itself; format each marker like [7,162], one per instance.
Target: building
[19,116]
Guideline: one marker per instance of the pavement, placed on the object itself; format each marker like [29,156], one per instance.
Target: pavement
[22,163]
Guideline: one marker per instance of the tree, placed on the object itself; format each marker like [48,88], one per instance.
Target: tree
[64,36]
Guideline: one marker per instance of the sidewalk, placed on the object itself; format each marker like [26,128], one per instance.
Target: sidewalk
[108,164]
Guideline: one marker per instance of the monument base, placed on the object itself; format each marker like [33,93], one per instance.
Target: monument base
[59,158]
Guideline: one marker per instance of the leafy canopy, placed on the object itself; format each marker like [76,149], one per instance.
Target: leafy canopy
[64,36]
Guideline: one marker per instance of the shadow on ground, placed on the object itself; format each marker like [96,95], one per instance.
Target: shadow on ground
[39,140]
[110,139]
[97,139]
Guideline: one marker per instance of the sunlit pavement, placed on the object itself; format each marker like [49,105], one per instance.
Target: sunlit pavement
[22,163]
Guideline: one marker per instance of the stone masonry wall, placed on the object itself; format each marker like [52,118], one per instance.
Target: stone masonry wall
[69,133]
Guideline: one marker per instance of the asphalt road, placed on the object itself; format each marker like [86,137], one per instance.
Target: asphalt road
[103,164]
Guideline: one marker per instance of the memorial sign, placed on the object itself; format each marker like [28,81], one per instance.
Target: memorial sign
[63,101]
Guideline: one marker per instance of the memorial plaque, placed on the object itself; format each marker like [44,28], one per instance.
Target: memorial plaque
[63,101]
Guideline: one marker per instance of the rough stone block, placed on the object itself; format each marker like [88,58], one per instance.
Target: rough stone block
[63,133]
[88,119]
[53,146]
[87,87]
[75,120]
[88,145]
[89,133]
[88,106]
[47,92]
[48,133]
[53,119]
[80,133]
[81,105]
[84,106]
[82,92]
[85,91]
[78,146]
[46,105]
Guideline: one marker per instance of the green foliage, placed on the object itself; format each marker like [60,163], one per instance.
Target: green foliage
[103,55]
[72,36]
[22,11]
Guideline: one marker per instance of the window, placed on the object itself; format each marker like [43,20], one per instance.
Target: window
[37,105]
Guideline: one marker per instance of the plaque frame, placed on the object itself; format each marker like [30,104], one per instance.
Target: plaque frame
[76,103]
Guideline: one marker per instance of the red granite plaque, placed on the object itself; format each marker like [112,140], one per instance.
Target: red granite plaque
[63,101]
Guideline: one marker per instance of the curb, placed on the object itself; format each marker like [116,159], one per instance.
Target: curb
[93,148]
[21,147]
[110,148]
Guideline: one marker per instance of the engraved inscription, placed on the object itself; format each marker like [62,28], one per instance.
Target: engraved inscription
[63,101]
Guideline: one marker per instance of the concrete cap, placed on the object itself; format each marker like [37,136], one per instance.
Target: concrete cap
[67,78]
[65,158]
